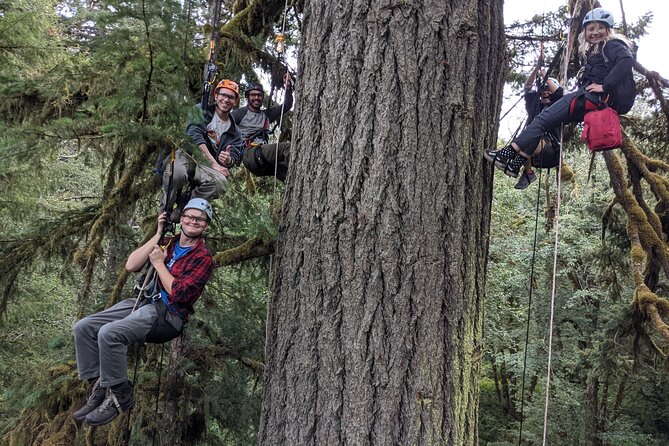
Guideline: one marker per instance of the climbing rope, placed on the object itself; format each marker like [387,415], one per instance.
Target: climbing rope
[279,40]
[552,312]
[281,50]
[541,82]
[529,303]
[555,254]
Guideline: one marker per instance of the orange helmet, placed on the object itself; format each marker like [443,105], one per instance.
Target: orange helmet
[230,85]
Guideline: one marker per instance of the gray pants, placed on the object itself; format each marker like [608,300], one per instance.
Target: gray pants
[207,183]
[102,340]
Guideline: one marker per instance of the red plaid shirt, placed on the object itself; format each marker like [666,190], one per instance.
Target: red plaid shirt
[191,273]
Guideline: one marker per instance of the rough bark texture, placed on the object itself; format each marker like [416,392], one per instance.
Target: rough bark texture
[374,329]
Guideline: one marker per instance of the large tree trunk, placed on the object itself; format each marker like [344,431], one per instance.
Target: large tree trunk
[374,329]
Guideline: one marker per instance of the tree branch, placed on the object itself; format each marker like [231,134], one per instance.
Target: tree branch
[251,249]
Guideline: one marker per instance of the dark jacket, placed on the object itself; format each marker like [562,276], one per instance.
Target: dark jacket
[612,68]
[197,130]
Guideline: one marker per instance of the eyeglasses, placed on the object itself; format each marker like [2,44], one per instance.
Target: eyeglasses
[229,97]
[255,95]
[194,219]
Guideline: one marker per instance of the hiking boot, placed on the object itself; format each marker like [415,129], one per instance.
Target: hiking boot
[500,158]
[181,202]
[525,179]
[513,167]
[96,398]
[119,399]
[175,215]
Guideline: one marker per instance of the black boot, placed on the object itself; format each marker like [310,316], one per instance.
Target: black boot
[119,399]
[97,396]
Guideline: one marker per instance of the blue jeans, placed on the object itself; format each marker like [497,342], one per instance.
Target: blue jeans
[548,119]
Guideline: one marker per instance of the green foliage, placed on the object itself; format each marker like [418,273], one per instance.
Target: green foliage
[592,335]
[91,95]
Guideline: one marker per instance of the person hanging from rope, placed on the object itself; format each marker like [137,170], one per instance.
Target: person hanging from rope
[217,136]
[260,157]
[101,340]
[605,79]
[535,101]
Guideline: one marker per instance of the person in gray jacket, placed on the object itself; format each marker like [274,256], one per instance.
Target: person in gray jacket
[260,157]
[220,145]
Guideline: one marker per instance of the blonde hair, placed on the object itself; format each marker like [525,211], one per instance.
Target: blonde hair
[584,47]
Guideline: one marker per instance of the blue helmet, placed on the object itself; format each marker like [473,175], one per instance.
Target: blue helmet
[201,205]
[599,15]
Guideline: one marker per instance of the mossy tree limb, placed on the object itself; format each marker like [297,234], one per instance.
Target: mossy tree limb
[251,249]
[646,243]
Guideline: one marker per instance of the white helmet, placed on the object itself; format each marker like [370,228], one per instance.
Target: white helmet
[202,205]
[599,15]
[552,79]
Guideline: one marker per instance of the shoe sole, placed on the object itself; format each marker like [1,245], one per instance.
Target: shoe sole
[496,162]
[508,172]
[525,185]
[503,168]
[101,423]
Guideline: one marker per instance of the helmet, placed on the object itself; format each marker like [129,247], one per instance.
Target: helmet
[201,205]
[599,15]
[552,79]
[230,85]
[253,86]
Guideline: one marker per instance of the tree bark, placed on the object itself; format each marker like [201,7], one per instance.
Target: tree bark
[375,324]
[592,412]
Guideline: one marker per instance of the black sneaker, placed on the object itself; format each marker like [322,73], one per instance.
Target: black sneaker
[500,158]
[94,400]
[513,167]
[119,399]
[525,179]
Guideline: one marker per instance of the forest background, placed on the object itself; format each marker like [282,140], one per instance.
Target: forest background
[92,92]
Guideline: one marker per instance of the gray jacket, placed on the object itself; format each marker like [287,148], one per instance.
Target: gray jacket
[271,115]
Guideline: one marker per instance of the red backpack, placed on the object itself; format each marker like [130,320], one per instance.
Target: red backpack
[602,130]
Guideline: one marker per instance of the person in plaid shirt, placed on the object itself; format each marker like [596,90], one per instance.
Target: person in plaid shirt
[101,340]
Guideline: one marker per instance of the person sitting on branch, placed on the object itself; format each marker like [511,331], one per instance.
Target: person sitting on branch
[605,79]
[101,340]
[217,136]
[260,157]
